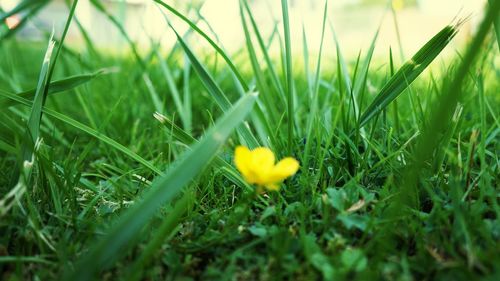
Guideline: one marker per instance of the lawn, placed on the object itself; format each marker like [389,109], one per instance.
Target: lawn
[164,164]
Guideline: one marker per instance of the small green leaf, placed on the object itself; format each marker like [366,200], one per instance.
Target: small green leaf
[354,259]
[258,230]
[354,220]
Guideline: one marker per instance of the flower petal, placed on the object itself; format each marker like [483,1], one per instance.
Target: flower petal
[273,187]
[284,169]
[262,158]
[242,158]
[261,165]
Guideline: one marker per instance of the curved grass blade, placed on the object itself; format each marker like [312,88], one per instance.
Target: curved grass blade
[207,80]
[210,41]
[163,190]
[214,90]
[409,72]
[57,86]
[85,129]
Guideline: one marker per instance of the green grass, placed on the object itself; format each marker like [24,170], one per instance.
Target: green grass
[122,166]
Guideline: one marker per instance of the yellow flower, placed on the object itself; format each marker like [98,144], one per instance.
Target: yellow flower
[257,167]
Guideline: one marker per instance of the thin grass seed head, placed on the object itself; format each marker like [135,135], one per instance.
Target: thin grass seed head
[258,167]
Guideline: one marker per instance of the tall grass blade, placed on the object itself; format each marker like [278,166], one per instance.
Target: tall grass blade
[33,126]
[210,41]
[259,74]
[265,51]
[288,74]
[409,72]
[314,89]
[186,93]
[186,123]
[214,90]
[360,83]
[33,129]
[345,84]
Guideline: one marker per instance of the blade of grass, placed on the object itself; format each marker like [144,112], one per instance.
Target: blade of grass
[307,71]
[314,88]
[158,104]
[265,50]
[163,190]
[345,84]
[259,74]
[288,74]
[360,83]
[214,90]
[33,127]
[23,259]
[395,102]
[409,72]
[142,65]
[345,94]
[173,91]
[210,41]
[57,86]
[186,93]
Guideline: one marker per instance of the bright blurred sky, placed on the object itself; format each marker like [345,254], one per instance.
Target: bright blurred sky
[355,25]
